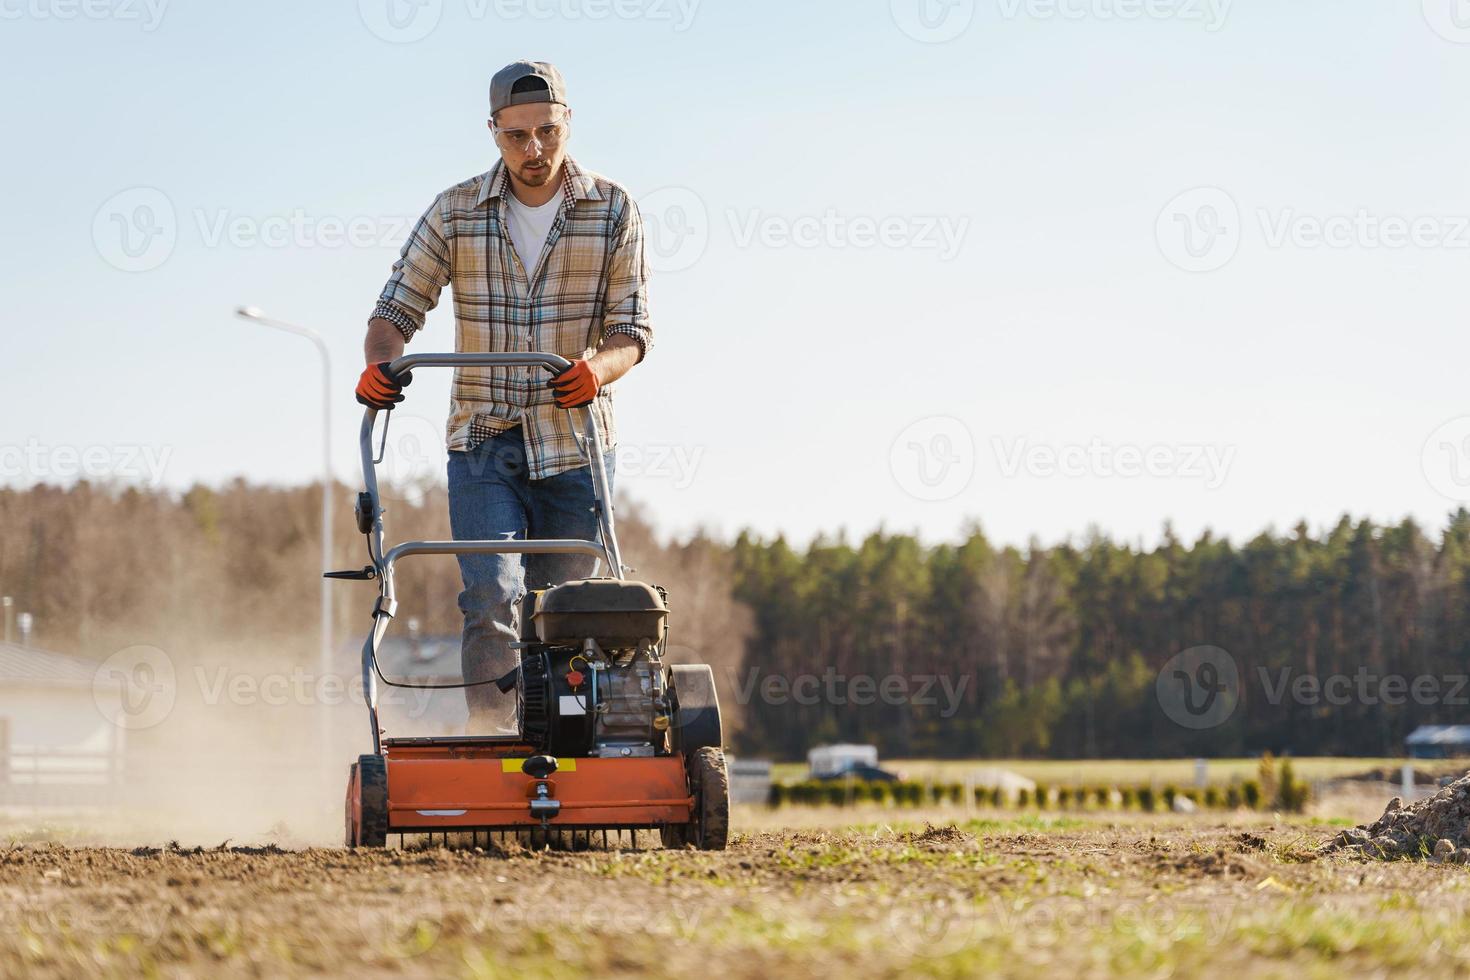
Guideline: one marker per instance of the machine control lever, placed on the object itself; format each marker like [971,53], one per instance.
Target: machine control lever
[364,574]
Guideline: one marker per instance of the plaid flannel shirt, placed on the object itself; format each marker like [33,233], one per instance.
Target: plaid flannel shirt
[589,284]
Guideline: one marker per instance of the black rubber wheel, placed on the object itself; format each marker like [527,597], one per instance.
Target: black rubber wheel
[372,795]
[709,784]
[696,709]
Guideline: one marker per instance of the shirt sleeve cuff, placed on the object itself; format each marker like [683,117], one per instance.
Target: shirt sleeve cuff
[642,335]
[399,319]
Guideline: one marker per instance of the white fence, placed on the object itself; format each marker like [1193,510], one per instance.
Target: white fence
[35,775]
[750,780]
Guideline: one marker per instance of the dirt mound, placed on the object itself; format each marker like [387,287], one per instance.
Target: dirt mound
[1437,828]
[942,837]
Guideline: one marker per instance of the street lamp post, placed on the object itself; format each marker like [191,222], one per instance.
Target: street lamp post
[254,314]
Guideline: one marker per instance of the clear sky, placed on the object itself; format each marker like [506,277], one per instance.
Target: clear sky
[1043,264]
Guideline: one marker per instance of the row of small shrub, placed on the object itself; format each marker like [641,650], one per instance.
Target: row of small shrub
[1290,795]
[842,793]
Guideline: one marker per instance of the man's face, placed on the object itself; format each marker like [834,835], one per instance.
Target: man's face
[533,140]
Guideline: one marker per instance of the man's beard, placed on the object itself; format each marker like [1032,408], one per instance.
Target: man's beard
[535,178]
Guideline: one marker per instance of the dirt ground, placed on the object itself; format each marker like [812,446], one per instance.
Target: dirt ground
[798,893]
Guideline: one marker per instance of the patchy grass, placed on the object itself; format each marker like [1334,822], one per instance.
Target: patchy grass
[945,898]
[1027,822]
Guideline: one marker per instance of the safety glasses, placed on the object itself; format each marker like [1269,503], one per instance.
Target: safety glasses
[546,137]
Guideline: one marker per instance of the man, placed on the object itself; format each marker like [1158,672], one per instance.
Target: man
[543,256]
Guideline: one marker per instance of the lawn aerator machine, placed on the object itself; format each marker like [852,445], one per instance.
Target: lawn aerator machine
[609,738]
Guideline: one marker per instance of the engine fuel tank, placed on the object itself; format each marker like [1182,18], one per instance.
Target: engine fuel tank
[618,614]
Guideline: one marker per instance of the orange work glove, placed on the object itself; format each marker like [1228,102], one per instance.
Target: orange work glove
[380,388]
[574,387]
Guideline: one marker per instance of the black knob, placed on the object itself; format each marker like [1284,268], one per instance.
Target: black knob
[364,511]
[539,766]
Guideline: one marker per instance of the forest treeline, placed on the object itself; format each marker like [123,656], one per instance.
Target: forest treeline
[1341,641]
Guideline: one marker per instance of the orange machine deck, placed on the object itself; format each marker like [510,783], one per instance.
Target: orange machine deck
[447,787]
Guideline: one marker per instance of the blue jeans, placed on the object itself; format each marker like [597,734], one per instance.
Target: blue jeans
[492,498]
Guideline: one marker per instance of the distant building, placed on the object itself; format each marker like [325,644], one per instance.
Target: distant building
[57,744]
[1439,742]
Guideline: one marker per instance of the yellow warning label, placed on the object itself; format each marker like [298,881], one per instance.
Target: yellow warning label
[514,765]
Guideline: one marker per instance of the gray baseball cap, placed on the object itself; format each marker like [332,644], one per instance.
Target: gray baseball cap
[555,89]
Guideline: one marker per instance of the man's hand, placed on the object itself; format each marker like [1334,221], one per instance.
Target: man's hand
[576,386]
[380,388]
[580,383]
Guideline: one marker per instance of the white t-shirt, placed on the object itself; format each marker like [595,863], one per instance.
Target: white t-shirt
[529,228]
